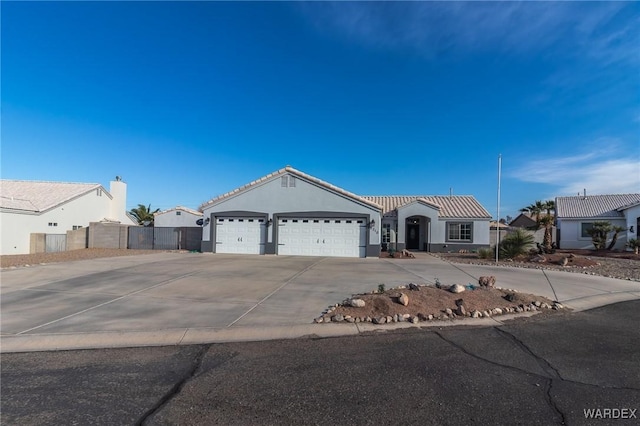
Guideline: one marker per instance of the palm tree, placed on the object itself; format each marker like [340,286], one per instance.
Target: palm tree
[616,230]
[143,214]
[550,206]
[535,209]
[547,222]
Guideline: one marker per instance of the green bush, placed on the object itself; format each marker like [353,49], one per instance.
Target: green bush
[485,253]
[381,288]
[515,244]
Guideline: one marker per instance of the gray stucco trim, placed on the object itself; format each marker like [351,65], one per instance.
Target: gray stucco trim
[370,250]
[234,214]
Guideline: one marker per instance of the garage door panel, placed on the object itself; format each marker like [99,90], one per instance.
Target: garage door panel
[322,237]
[240,235]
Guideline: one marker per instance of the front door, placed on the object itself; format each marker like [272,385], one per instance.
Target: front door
[413,236]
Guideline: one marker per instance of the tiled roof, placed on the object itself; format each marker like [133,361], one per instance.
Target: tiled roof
[462,206]
[594,206]
[291,170]
[184,209]
[38,196]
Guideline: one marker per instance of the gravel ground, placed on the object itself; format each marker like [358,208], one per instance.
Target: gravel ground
[15,260]
[613,267]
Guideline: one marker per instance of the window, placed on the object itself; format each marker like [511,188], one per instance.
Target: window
[292,182]
[99,192]
[585,227]
[178,213]
[386,233]
[459,231]
[76,227]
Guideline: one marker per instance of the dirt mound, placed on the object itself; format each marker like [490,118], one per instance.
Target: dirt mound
[429,300]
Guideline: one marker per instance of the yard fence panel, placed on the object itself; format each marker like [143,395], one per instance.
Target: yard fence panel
[164,238]
[55,243]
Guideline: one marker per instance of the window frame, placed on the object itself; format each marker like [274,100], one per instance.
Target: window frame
[459,225]
[582,234]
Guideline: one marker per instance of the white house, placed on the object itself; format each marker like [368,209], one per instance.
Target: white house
[178,216]
[28,207]
[576,215]
[289,212]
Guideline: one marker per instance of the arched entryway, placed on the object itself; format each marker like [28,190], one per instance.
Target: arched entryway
[417,233]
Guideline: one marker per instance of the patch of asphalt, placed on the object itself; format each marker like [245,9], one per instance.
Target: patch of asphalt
[176,388]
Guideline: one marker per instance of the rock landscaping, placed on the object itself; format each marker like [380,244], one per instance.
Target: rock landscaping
[621,265]
[417,303]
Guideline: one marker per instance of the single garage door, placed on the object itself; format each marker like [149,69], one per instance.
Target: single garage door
[322,237]
[240,235]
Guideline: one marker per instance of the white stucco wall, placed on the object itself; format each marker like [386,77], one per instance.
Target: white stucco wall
[173,219]
[271,198]
[631,217]
[571,238]
[16,227]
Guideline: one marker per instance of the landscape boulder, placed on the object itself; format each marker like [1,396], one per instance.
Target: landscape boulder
[489,281]
[357,303]
[456,288]
[403,299]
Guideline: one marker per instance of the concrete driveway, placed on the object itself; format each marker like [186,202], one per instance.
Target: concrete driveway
[174,298]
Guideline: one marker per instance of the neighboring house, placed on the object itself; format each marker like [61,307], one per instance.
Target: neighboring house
[178,216]
[528,221]
[433,222]
[576,215]
[28,207]
[524,220]
[289,212]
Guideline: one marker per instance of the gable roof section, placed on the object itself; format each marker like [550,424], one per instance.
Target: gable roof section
[182,208]
[39,196]
[454,206]
[595,206]
[297,173]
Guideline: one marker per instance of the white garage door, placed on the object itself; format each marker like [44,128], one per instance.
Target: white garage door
[239,235]
[322,237]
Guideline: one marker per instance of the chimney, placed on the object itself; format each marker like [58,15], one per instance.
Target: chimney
[118,190]
[585,194]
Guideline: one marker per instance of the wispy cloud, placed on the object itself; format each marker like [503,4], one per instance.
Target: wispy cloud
[607,32]
[602,168]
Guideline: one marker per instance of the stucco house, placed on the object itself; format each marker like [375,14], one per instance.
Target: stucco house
[576,215]
[28,207]
[178,216]
[289,212]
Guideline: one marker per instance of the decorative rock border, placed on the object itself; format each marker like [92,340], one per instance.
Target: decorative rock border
[460,312]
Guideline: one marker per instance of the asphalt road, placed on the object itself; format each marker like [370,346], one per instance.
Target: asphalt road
[542,370]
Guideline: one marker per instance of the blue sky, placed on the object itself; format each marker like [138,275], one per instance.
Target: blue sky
[186,101]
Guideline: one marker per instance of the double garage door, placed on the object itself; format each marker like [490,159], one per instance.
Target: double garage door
[322,237]
[295,236]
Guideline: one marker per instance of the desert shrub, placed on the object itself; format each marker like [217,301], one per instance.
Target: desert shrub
[381,288]
[515,244]
[485,253]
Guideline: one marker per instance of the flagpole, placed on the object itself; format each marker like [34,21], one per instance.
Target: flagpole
[498,207]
